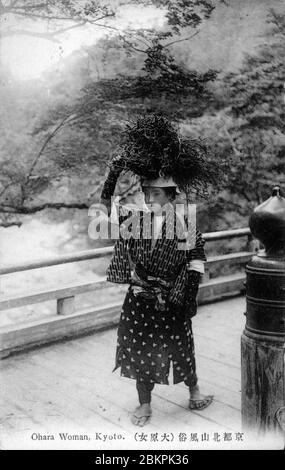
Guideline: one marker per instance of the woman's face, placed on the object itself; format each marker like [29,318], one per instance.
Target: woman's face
[155,199]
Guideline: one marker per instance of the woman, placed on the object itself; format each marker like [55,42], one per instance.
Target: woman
[155,323]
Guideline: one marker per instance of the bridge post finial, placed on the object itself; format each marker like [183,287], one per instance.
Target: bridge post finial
[263,339]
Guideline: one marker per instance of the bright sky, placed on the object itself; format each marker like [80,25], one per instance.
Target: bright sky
[27,57]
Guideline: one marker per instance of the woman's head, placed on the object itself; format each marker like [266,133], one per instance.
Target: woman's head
[156,197]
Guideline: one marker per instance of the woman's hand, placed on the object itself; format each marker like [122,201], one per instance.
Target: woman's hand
[116,165]
[111,181]
[137,281]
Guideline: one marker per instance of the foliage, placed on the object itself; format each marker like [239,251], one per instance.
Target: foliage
[256,97]
[64,15]
[72,133]
[74,130]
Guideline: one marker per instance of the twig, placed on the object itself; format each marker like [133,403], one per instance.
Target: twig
[7,209]
[183,39]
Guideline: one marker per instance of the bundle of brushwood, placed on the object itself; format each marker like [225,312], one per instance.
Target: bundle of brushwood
[152,147]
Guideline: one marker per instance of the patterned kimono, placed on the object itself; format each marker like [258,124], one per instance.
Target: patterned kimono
[148,338]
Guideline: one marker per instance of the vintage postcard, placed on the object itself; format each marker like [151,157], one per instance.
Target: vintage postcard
[142,226]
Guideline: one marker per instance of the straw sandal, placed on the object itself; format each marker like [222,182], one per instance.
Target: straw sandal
[201,403]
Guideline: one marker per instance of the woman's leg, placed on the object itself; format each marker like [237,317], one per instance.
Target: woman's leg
[143,412]
[144,391]
[198,401]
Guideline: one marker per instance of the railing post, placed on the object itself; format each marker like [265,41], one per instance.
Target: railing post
[263,339]
[206,275]
[65,306]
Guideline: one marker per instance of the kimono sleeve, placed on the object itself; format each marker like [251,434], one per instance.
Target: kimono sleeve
[185,289]
[198,252]
[195,259]
[193,244]
[119,269]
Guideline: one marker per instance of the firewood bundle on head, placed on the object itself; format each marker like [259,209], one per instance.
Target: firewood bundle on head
[152,148]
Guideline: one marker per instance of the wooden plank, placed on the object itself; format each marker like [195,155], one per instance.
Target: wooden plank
[46,384]
[213,289]
[102,252]
[65,306]
[226,234]
[229,332]
[207,367]
[211,336]
[204,351]
[56,260]
[96,348]
[18,422]
[226,371]
[229,325]
[86,387]
[218,414]
[51,294]
[14,416]
[57,405]
[107,386]
[28,397]
[123,389]
[221,287]
[221,392]
[229,357]
[229,259]
[207,346]
[89,361]
[78,373]
[56,328]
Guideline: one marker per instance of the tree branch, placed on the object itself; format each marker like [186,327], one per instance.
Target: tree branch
[11,183]
[183,39]
[7,209]
[130,45]
[24,32]
[26,7]
[47,140]
[66,120]
[38,16]
[79,22]
[68,28]
[63,18]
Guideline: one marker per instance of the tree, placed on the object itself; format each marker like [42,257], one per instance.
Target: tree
[63,15]
[58,14]
[245,125]
[256,97]
[103,105]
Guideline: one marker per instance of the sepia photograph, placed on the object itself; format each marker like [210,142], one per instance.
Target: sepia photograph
[142,227]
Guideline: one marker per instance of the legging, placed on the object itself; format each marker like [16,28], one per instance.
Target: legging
[145,388]
[144,391]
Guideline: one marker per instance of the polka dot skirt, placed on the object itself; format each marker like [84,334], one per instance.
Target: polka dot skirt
[148,340]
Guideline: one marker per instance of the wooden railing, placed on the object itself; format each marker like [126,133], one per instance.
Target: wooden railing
[69,323]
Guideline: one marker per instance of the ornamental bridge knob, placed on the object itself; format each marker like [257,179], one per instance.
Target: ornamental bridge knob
[267,223]
[263,339]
